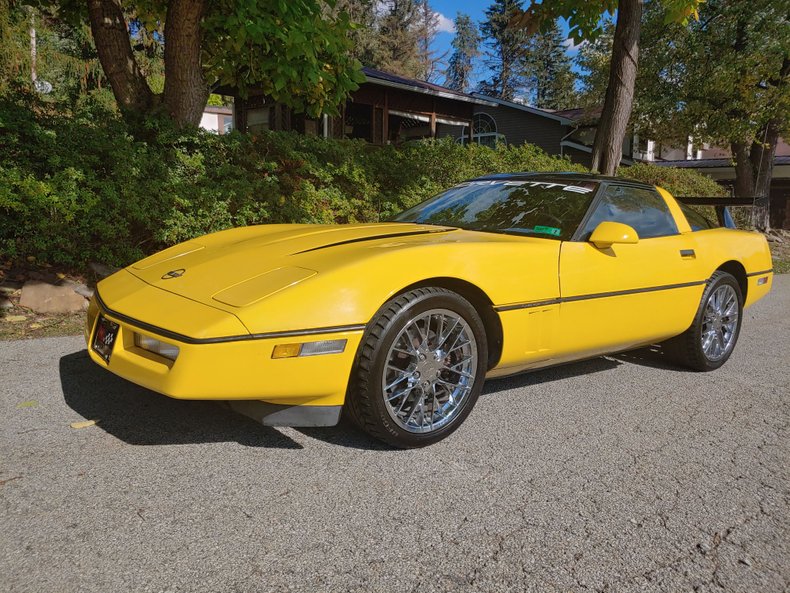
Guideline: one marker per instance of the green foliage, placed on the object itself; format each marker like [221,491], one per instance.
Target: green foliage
[720,79]
[85,188]
[678,182]
[289,50]
[584,17]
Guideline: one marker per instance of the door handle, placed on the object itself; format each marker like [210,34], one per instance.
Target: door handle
[687,253]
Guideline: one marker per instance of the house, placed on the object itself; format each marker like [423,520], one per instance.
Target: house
[569,132]
[722,170]
[385,109]
[217,119]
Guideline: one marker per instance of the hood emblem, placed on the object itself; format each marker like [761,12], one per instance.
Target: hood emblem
[173,274]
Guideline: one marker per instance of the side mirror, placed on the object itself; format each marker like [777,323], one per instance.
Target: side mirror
[608,233]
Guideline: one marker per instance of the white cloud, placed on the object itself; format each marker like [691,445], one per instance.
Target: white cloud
[572,45]
[443,24]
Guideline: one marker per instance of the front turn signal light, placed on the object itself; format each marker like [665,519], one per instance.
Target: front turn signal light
[309,348]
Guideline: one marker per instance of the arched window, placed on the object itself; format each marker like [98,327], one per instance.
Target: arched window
[485,131]
[484,124]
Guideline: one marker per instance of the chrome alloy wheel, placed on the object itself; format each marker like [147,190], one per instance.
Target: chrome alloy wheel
[720,323]
[430,370]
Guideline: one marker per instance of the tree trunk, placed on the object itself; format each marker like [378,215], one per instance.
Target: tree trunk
[744,177]
[115,54]
[186,91]
[608,145]
[754,164]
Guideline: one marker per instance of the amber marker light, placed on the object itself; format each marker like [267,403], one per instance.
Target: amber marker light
[309,348]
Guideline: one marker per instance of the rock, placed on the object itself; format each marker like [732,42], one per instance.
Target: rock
[81,290]
[48,298]
[9,287]
[5,303]
[102,270]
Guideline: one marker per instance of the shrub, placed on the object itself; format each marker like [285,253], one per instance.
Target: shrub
[86,187]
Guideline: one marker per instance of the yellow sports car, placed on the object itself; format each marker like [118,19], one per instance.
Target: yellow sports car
[400,322]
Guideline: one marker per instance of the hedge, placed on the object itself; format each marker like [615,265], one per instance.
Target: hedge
[86,186]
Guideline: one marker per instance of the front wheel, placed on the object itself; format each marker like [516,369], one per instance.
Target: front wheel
[420,368]
[710,340]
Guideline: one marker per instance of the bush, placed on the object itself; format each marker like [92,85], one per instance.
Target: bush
[88,187]
[678,182]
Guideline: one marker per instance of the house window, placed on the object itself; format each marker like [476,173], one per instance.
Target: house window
[258,120]
[358,122]
[485,130]
[405,126]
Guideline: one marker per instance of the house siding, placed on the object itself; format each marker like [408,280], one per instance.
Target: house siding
[520,127]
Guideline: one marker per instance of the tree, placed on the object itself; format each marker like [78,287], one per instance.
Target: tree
[586,23]
[465,46]
[364,36]
[289,50]
[547,71]
[427,26]
[399,38]
[726,80]
[505,55]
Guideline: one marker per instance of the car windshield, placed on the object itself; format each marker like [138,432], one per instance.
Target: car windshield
[545,208]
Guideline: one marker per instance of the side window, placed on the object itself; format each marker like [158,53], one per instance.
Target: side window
[643,209]
[696,220]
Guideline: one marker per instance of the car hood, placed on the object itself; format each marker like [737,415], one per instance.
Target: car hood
[239,267]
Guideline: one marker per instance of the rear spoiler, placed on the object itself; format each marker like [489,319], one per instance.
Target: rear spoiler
[721,204]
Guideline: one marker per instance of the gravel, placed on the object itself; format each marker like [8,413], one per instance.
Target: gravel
[615,474]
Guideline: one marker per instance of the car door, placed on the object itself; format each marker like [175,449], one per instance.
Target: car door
[626,295]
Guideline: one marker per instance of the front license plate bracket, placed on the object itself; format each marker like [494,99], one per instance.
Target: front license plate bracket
[104,337]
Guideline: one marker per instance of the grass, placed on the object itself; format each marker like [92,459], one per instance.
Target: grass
[780,252]
[39,326]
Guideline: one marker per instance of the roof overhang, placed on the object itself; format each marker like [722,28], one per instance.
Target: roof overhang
[521,107]
[588,149]
[436,93]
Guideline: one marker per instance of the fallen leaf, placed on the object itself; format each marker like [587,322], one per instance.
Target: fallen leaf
[28,404]
[31,258]
[14,318]
[83,424]
[60,275]
[35,326]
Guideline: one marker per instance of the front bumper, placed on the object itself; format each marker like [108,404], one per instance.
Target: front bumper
[230,370]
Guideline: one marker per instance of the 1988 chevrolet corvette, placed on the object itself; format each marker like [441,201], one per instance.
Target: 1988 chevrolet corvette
[401,322]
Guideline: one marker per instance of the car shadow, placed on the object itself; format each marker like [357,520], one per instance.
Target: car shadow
[139,416]
[654,357]
[550,374]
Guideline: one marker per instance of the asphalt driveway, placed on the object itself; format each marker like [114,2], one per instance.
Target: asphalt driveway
[615,474]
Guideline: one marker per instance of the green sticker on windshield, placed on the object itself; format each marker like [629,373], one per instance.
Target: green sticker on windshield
[549,230]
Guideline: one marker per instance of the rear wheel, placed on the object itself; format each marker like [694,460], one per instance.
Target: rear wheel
[420,368]
[710,340]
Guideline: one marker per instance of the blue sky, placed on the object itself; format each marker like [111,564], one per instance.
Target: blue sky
[448,9]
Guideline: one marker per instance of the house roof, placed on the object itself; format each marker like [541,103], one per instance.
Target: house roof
[555,115]
[580,114]
[712,163]
[382,78]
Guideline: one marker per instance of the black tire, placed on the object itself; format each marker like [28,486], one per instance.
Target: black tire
[687,347]
[365,402]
